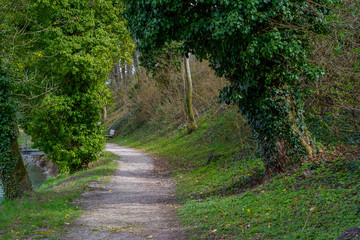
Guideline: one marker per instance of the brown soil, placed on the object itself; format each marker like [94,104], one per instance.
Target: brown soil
[138,203]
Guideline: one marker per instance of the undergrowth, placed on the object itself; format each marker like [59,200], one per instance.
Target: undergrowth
[219,176]
[45,213]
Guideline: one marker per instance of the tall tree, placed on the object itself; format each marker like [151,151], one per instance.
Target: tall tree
[13,174]
[260,46]
[78,41]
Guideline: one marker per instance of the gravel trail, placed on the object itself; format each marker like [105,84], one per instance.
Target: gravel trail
[138,203]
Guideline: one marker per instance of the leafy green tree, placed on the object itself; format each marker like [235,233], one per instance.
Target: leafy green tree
[260,46]
[13,174]
[77,41]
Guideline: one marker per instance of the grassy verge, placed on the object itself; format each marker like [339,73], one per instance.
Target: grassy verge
[218,172]
[317,201]
[45,213]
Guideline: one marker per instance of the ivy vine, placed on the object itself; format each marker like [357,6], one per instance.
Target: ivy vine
[260,46]
[8,161]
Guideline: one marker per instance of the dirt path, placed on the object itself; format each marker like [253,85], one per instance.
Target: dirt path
[136,204]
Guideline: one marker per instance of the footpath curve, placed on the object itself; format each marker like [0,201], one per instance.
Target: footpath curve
[137,204]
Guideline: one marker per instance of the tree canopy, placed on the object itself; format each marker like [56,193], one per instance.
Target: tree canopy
[260,46]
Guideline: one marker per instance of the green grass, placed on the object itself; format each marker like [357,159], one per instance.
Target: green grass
[315,202]
[45,213]
[218,173]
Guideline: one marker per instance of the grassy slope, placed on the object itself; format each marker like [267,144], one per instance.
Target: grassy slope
[45,213]
[217,170]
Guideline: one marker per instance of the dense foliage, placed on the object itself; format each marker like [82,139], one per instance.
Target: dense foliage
[260,46]
[70,134]
[166,58]
[7,111]
[77,42]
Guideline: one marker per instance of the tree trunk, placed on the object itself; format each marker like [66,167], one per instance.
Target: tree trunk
[115,84]
[124,83]
[104,113]
[283,160]
[116,74]
[14,176]
[136,62]
[129,70]
[192,126]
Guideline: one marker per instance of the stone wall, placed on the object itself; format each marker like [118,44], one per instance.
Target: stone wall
[40,160]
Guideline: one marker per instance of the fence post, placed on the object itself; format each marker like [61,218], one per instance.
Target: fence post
[26,145]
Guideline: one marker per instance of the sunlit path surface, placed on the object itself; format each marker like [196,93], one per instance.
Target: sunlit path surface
[136,204]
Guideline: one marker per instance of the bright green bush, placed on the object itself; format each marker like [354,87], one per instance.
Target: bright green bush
[67,129]
[78,42]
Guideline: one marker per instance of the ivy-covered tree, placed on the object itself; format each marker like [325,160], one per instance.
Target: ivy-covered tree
[77,42]
[260,46]
[13,175]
